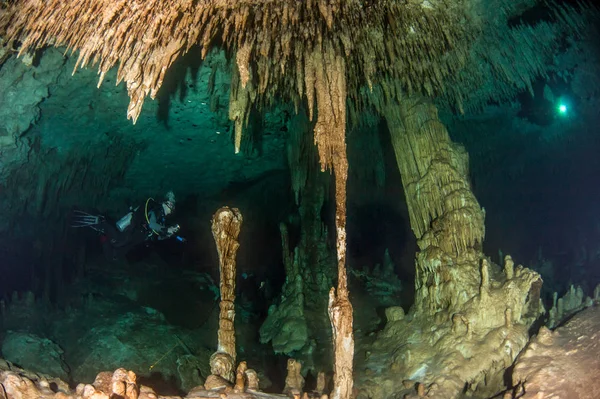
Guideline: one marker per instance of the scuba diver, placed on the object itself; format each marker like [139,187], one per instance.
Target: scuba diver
[141,224]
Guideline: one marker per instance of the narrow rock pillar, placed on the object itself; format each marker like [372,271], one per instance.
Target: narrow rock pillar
[226,224]
[325,79]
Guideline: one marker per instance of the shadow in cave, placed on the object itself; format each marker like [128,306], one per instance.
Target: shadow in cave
[17,269]
[540,12]
[381,246]
[403,253]
[175,81]
[373,229]
[538,109]
[159,383]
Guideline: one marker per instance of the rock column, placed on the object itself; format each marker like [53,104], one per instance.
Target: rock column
[444,214]
[226,225]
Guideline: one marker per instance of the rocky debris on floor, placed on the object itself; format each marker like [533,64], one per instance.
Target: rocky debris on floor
[17,383]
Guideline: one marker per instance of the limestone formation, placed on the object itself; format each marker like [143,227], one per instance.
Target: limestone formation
[273,43]
[310,266]
[444,214]
[226,226]
[573,301]
[381,281]
[240,100]
[469,320]
[225,377]
[564,363]
[394,313]
[240,377]
[423,46]
[320,389]
[318,55]
[252,380]
[286,325]
[294,382]
[221,369]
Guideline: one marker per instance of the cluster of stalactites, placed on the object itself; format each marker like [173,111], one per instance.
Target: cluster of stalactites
[442,208]
[417,44]
[500,61]
[506,61]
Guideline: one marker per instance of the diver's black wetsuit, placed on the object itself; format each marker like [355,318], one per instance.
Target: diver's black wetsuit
[116,244]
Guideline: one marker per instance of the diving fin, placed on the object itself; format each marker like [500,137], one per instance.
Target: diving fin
[84,219]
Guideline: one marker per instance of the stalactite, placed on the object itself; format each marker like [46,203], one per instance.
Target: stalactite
[241,98]
[242,59]
[330,138]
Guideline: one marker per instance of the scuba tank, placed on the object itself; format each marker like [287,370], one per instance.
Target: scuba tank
[124,222]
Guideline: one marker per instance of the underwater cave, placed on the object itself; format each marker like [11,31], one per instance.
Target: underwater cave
[284,199]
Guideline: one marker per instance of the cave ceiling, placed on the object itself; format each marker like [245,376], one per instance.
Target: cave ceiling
[191,56]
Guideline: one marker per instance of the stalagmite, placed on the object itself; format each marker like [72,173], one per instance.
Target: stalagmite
[226,224]
[320,383]
[17,383]
[294,382]
[240,377]
[252,380]
[420,390]
[508,318]
[562,308]
[485,279]
[509,267]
